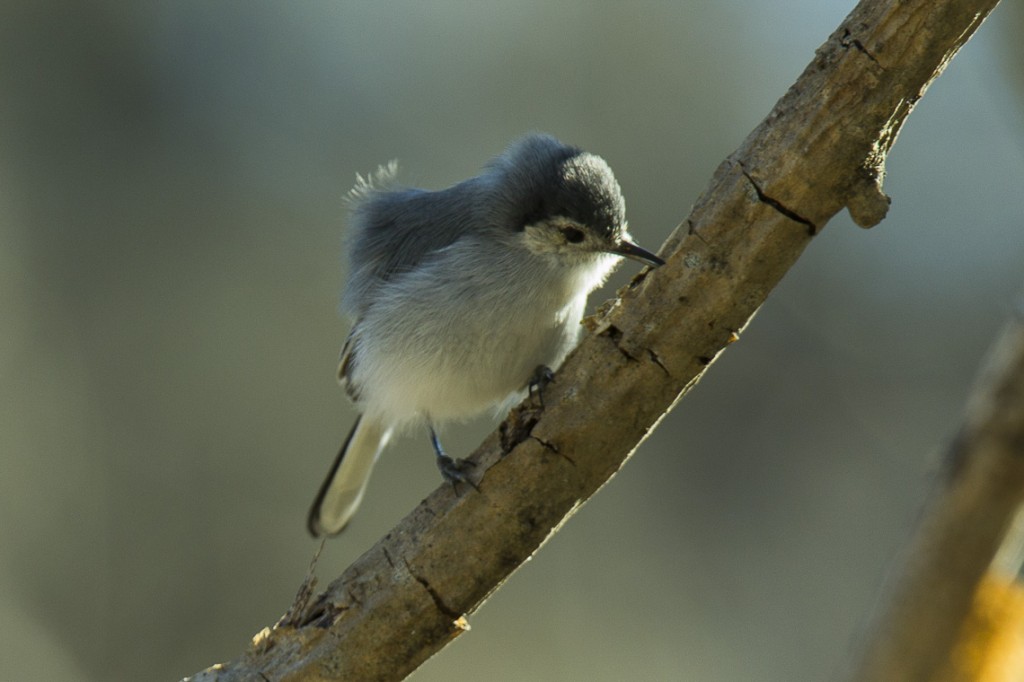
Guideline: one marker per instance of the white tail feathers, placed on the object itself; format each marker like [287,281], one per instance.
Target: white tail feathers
[342,491]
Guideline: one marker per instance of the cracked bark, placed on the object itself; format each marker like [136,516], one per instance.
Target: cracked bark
[812,229]
[822,148]
[434,596]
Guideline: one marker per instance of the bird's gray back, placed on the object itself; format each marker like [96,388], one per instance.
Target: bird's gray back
[393,231]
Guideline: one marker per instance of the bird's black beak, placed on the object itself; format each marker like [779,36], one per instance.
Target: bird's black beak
[630,250]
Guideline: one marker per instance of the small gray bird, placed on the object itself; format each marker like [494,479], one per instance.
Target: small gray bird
[464,296]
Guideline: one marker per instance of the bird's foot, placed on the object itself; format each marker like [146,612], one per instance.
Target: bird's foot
[452,470]
[456,471]
[542,376]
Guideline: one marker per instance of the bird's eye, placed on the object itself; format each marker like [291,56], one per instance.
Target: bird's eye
[572,235]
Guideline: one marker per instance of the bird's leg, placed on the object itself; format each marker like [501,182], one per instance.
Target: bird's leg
[453,470]
[539,380]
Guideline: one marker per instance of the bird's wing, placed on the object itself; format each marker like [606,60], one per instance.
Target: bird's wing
[392,231]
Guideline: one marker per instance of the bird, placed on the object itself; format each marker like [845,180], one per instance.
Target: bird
[463,298]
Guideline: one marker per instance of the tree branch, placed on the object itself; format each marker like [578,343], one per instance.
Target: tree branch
[822,148]
[979,509]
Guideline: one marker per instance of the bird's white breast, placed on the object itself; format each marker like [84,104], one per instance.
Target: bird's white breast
[464,333]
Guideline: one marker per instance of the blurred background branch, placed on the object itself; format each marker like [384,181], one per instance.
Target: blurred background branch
[958,611]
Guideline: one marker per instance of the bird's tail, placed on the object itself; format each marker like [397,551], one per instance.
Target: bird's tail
[342,491]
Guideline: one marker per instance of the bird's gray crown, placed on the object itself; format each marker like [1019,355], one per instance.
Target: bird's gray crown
[545,178]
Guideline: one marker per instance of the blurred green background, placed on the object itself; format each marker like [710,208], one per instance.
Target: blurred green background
[171,183]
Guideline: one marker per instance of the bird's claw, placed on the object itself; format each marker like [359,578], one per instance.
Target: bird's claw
[542,376]
[456,470]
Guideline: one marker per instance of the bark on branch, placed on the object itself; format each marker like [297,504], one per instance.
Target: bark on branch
[822,148]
